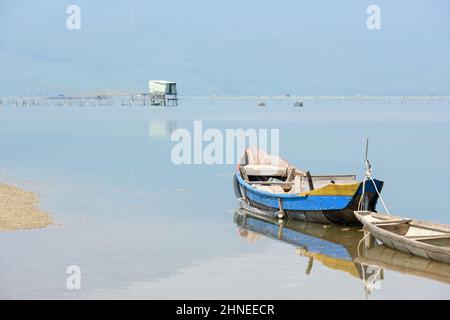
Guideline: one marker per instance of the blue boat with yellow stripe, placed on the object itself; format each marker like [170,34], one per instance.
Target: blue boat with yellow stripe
[274,187]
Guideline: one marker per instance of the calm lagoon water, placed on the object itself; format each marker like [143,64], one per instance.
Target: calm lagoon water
[140,226]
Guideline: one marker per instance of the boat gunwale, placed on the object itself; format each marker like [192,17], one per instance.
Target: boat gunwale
[270,194]
[284,195]
[402,239]
[414,222]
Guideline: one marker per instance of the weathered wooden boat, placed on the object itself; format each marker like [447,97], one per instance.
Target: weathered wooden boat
[276,187]
[419,238]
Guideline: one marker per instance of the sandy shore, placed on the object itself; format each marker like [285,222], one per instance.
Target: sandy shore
[19,210]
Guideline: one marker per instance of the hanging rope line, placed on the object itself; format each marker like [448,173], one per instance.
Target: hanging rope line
[367,177]
[368,285]
[359,244]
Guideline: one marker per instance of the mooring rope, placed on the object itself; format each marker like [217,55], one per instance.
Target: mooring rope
[381,198]
[363,272]
[359,243]
[368,176]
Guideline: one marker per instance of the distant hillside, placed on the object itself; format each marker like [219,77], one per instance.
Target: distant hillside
[248,47]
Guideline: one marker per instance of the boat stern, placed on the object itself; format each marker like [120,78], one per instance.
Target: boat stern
[372,190]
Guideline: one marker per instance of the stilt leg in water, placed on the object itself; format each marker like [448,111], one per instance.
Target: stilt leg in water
[369,239]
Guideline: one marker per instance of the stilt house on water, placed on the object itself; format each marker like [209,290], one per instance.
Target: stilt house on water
[163,92]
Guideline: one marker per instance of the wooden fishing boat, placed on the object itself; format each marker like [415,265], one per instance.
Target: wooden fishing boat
[419,238]
[273,185]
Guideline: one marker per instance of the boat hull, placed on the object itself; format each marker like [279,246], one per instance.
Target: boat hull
[401,243]
[337,209]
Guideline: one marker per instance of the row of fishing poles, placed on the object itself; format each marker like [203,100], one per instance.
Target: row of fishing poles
[94,101]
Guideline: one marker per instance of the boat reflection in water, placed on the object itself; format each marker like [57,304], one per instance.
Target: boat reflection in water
[336,247]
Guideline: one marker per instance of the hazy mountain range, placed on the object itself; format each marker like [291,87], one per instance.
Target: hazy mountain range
[233,47]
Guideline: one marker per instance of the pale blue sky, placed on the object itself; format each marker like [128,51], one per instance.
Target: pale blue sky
[249,47]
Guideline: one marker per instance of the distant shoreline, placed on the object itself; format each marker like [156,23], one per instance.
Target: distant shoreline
[19,210]
[140,95]
[144,99]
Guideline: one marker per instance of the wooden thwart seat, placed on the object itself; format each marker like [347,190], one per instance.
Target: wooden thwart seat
[391,222]
[265,170]
[429,237]
[281,183]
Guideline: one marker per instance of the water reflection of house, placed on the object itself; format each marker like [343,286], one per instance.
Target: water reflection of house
[159,129]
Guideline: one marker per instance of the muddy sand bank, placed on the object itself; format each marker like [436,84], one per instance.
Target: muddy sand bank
[19,210]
